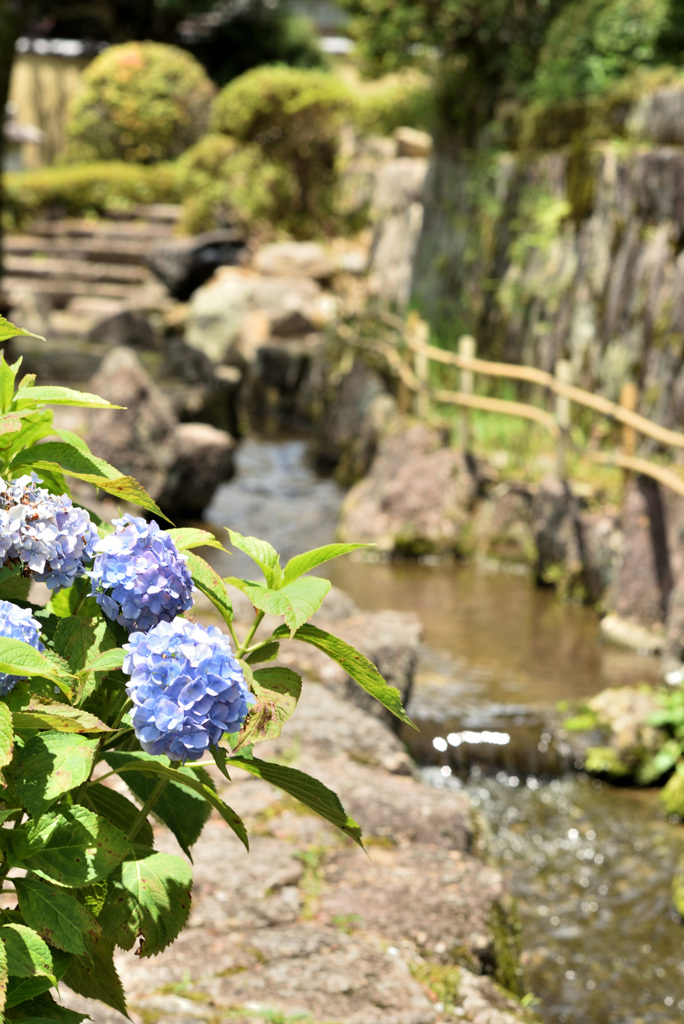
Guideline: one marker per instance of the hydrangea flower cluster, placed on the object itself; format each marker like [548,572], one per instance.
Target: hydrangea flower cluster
[19,624]
[187,688]
[138,577]
[45,533]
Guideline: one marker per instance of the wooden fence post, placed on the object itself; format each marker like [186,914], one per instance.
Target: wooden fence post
[420,331]
[467,348]
[629,399]
[563,374]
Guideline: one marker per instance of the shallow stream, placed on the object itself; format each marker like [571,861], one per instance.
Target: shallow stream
[590,865]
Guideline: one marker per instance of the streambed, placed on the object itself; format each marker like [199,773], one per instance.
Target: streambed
[590,865]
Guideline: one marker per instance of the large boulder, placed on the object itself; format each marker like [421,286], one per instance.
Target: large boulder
[417,497]
[186,263]
[398,213]
[294,259]
[180,465]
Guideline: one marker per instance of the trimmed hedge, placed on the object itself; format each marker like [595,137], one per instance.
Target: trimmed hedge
[142,102]
[81,189]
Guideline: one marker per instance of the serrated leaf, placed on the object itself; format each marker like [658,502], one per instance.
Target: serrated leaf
[308,560]
[10,423]
[62,457]
[267,652]
[74,847]
[44,1010]
[219,755]
[50,764]
[296,601]
[187,537]
[6,736]
[49,394]
[21,989]
[8,330]
[304,788]
[107,661]
[210,583]
[13,585]
[4,979]
[56,915]
[74,601]
[95,976]
[150,900]
[35,424]
[355,664]
[136,762]
[261,552]
[118,809]
[73,639]
[277,691]
[71,438]
[58,717]
[20,659]
[27,953]
[183,810]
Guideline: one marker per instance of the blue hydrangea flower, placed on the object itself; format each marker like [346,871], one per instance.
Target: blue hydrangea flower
[138,577]
[44,532]
[19,624]
[187,688]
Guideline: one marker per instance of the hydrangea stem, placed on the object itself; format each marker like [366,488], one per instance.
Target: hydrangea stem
[147,807]
[248,639]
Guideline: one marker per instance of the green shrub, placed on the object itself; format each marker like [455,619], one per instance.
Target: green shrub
[591,44]
[294,115]
[222,181]
[80,189]
[142,102]
[382,106]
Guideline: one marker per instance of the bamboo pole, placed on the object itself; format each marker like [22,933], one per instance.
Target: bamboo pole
[563,376]
[467,347]
[637,465]
[418,333]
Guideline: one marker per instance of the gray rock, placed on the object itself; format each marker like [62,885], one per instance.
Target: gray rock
[555,524]
[186,263]
[294,259]
[203,458]
[412,143]
[503,526]
[416,498]
[124,328]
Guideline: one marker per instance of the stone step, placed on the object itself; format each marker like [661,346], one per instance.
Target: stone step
[84,227]
[93,248]
[56,269]
[60,292]
[158,213]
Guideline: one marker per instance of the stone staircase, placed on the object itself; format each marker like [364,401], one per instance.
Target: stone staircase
[67,275]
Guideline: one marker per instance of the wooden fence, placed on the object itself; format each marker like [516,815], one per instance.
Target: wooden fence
[410,360]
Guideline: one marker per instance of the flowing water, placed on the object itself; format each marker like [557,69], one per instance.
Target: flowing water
[589,864]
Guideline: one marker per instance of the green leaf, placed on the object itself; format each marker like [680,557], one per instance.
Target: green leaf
[4,978]
[67,458]
[20,659]
[10,424]
[35,424]
[118,809]
[44,1010]
[277,691]
[145,763]
[189,537]
[71,438]
[150,900]
[6,736]
[107,661]
[266,652]
[27,953]
[74,601]
[56,915]
[50,764]
[181,809]
[13,585]
[261,552]
[73,639]
[308,560]
[8,330]
[210,583]
[73,847]
[304,788]
[21,989]
[52,395]
[58,717]
[296,602]
[95,976]
[355,664]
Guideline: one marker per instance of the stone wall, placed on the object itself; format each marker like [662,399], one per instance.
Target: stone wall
[575,252]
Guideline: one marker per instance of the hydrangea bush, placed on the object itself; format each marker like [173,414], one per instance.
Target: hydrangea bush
[113,680]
